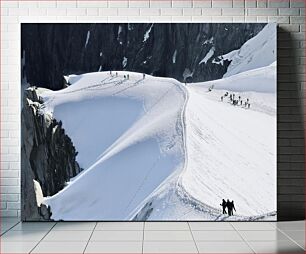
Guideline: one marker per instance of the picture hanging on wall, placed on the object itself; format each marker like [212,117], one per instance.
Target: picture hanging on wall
[148,122]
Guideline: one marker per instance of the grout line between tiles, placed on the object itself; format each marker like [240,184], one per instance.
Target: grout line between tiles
[10,228]
[290,238]
[42,238]
[244,240]
[90,236]
[143,232]
[193,237]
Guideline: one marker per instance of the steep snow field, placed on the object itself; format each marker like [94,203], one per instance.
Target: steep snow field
[259,51]
[232,149]
[129,136]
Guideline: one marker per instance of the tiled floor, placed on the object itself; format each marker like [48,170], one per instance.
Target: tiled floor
[152,237]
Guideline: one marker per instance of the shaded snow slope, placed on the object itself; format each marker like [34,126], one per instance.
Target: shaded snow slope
[129,137]
[259,51]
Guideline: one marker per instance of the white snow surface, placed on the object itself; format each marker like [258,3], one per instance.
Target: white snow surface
[128,138]
[178,149]
[209,54]
[147,34]
[259,51]
[87,38]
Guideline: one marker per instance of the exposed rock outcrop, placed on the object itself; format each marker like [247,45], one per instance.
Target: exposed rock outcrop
[48,157]
[181,51]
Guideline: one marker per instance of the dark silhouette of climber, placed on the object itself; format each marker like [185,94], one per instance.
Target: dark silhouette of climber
[230,207]
[224,205]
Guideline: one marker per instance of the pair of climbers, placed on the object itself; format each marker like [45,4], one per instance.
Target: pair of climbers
[229,205]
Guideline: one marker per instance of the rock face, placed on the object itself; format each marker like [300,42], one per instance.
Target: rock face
[48,156]
[181,51]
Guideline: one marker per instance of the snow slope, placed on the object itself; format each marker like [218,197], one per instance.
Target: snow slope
[259,51]
[129,137]
[154,149]
[231,149]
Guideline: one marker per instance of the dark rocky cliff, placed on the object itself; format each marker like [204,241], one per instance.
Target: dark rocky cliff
[169,50]
[47,154]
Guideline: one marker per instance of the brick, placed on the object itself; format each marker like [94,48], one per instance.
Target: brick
[128,11]
[297,20]
[160,3]
[202,3]
[288,28]
[56,12]
[139,4]
[18,12]
[192,11]
[278,19]
[159,18]
[262,3]
[202,18]
[108,11]
[138,19]
[171,12]
[288,11]
[182,3]
[239,19]
[92,11]
[238,3]
[222,3]
[250,19]
[47,4]
[9,173]
[8,181]
[262,19]
[93,4]
[118,4]
[233,12]
[181,19]
[222,19]
[302,11]
[250,3]
[66,4]
[27,4]
[297,3]
[38,12]
[9,197]
[262,12]
[211,11]
[278,3]
[9,213]
[9,4]
[150,12]
[76,11]
[13,205]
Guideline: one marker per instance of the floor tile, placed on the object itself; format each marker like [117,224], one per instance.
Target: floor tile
[114,247]
[169,247]
[166,226]
[120,226]
[106,236]
[63,226]
[274,235]
[290,225]
[167,236]
[17,247]
[60,247]
[33,226]
[276,247]
[297,235]
[69,236]
[223,247]
[253,226]
[219,226]
[23,236]
[216,236]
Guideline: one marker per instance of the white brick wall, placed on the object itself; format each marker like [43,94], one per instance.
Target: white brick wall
[289,13]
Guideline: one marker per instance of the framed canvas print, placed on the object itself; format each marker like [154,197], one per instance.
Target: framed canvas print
[148,122]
